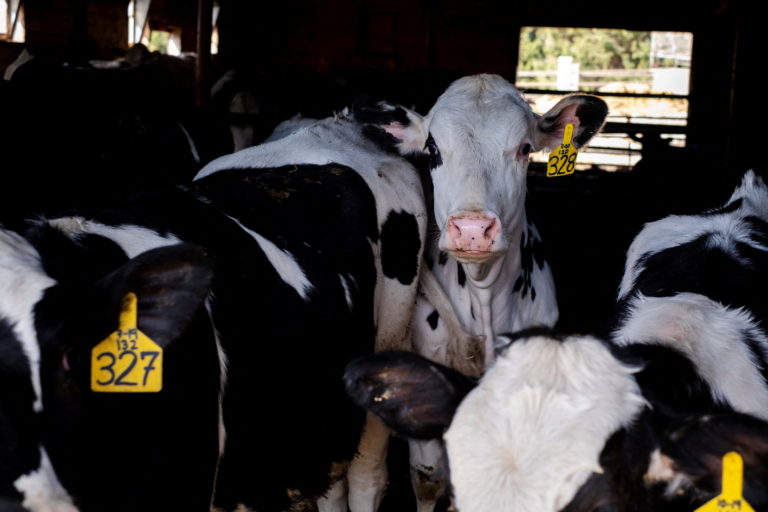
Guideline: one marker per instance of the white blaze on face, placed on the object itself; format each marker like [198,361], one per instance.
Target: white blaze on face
[532,432]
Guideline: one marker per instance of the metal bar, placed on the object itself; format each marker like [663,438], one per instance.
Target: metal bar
[608,94]
[612,127]
[15,21]
[639,73]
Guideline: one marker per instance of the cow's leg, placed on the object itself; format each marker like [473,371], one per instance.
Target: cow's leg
[435,340]
[367,475]
[335,499]
[429,472]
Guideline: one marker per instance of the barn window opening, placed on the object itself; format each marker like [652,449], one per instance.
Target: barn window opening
[163,37]
[12,21]
[642,75]
[165,40]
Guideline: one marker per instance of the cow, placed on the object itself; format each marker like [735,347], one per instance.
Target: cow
[316,243]
[486,254]
[115,129]
[64,448]
[639,422]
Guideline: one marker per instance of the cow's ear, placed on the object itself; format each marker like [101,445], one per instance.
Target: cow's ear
[597,494]
[694,451]
[393,127]
[170,284]
[586,113]
[412,395]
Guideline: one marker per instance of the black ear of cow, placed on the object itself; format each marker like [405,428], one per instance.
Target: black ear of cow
[170,284]
[696,448]
[586,112]
[412,395]
[392,127]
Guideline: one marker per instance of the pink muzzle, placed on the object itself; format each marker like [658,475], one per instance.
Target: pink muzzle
[473,232]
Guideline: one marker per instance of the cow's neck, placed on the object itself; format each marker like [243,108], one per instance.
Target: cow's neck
[489,283]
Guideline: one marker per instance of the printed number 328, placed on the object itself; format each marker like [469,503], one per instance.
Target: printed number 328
[563,164]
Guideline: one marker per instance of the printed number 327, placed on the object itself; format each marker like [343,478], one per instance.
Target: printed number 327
[124,378]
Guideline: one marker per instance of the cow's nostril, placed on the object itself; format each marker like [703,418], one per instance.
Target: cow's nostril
[488,230]
[455,226]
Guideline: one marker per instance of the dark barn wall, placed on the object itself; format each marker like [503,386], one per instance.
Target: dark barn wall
[374,41]
[445,38]
[77,28]
[395,35]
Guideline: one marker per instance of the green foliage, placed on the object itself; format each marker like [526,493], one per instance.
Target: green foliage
[591,47]
[158,41]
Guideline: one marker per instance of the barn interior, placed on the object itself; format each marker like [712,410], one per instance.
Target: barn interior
[73,138]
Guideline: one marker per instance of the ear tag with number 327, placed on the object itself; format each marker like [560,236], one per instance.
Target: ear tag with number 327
[562,159]
[730,499]
[127,361]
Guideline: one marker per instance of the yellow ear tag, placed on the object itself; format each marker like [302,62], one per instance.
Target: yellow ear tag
[127,361]
[730,500]
[562,159]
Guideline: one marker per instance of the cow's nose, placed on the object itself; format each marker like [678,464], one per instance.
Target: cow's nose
[473,232]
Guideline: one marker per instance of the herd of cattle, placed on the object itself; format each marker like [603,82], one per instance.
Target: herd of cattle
[297,301]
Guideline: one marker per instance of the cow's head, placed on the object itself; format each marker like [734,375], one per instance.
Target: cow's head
[560,424]
[53,310]
[479,135]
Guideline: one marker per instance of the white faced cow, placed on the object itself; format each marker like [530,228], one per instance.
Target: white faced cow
[577,424]
[488,256]
[315,242]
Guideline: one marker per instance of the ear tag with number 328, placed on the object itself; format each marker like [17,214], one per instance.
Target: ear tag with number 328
[127,361]
[562,159]
[730,499]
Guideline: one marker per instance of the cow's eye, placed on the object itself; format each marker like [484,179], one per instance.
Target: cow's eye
[525,149]
[434,153]
[431,146]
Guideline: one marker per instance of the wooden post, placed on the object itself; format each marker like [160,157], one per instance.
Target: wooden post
[202,67]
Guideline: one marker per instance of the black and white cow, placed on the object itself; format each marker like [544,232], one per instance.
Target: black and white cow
[488,256]
[316,241]
[64,448]
[575,423]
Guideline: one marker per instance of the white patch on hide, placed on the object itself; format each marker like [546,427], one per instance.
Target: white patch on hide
[659,468]
[283,262]
[22,285]
[42,490]
[712,336]
[132,239]
[727,229]
[347,293]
